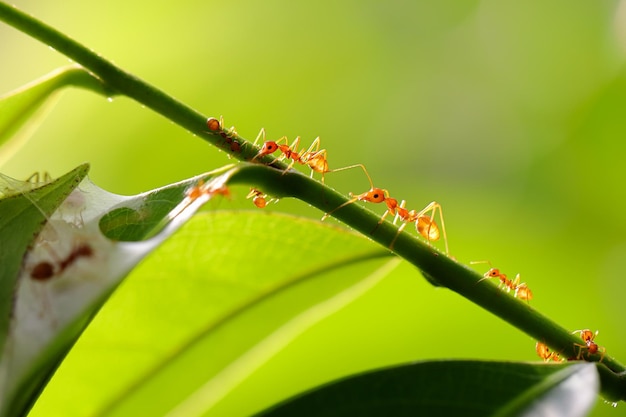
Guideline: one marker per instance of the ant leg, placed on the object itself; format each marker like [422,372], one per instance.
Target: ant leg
[352,200]
[259,136]
[579,355]
[516,281]
[290,153]
[401,206]
[231,131]
[369,179]
[314,148]
[402,226]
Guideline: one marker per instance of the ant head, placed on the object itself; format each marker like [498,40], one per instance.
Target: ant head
[268,148]
[213,124]
[42,271]
[375,195]
[493,273]
[586,335]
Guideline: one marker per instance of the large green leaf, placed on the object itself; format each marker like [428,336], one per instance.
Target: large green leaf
[211,306]
[453,388]
[53,286]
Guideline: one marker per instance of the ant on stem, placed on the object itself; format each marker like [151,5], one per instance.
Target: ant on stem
[259,198]
[425,224]
[520,290]
[197,191]
[314,157]
[592,347]
[544,353]
[229,135]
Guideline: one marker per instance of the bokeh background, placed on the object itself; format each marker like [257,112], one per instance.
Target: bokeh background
[511,114]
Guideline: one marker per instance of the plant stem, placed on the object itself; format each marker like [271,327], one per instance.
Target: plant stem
[440,269]
[120,81]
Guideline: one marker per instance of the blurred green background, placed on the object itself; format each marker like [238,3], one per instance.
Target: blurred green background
[510,114]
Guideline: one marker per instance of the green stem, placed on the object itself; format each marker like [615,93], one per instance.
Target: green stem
[440,269]
[122,82]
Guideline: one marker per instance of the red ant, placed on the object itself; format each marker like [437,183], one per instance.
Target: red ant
[424,224]
[521,290]
[544,353]
[213,124]
[229,135]
[197,191]
[287,151]
[259,198]
[313,157]
[200,189]
[592,347]
[45,270]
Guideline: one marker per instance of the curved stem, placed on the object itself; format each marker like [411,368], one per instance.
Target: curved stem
[438,268]
[122,82]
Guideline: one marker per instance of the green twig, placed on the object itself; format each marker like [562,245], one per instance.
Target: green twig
[440,268]
[122,82]
[444,270]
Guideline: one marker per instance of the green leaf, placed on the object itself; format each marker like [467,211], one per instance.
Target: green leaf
[26,107]
[24,208]
[56,283]
[569,392]
[453,388]
[206,311]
